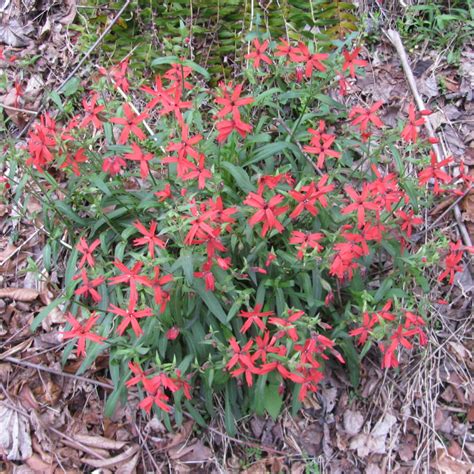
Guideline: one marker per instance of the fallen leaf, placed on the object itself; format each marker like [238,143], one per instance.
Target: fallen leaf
[195,452]
[14,34]
[99,442]
[447,464]
[373,442]
[15,434]
[38,465]
[353,421]
[116,461]
[19,294]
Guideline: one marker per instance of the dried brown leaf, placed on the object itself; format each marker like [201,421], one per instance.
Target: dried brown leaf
[116,461]
[353,421]
[15,34]
[15,434]
[19,294]
[99,442]
[447,464]
[195,452]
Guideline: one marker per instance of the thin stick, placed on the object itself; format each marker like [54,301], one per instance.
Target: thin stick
[79,64]
[43,368]
[8,257]
[16,109]
[396,41]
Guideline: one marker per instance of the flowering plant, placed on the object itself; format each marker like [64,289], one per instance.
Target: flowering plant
[235,242]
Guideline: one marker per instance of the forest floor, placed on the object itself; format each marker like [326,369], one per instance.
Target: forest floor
[416,419]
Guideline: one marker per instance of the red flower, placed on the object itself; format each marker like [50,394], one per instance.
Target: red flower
[267,212]
[240,355]
[287,324]
[364,331]
[343,84]
[149,238]
[78,157]
[207,275]
[451,262]
[226,127]
[174,104]
[113,165]
[320,144]
[130,123]
[360,204]
[254,317]
[185,147]
[410,132]
[88,287]
[305,240]
[351,61]
[129,276]
[91,112]
[258,54]
[82,332]
[161,296]
[86,251]
[140,375]
[200,227]
[408,221]
[177,74]
[130,316]
[312,377]
[165,194]
[363,117]
[384,312]
[172,333]
[143,158]
[118,74]
[284,49]
[40,140]
[305,199]
[158,398]
[435,172]
[231,101]
[199,172]
[160,95]
[301,54]
[265,346]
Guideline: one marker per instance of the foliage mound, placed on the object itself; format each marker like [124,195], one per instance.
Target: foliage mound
[230,245]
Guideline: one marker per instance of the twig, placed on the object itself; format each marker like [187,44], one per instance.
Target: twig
[31,365]
[396,41]
[16,109]
[8,257]
[450,207]
[78,66]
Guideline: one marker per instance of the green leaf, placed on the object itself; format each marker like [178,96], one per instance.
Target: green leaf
[229,419]
[165,60]
[197,68]
[44,312]
[211,302]
[195,414]
[272,400]
[71,86]
[68,212]
[241,177]
[114,397]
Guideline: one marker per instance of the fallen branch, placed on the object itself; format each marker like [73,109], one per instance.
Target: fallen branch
[396,41]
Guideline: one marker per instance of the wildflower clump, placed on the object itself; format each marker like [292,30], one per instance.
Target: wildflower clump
[239,241]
